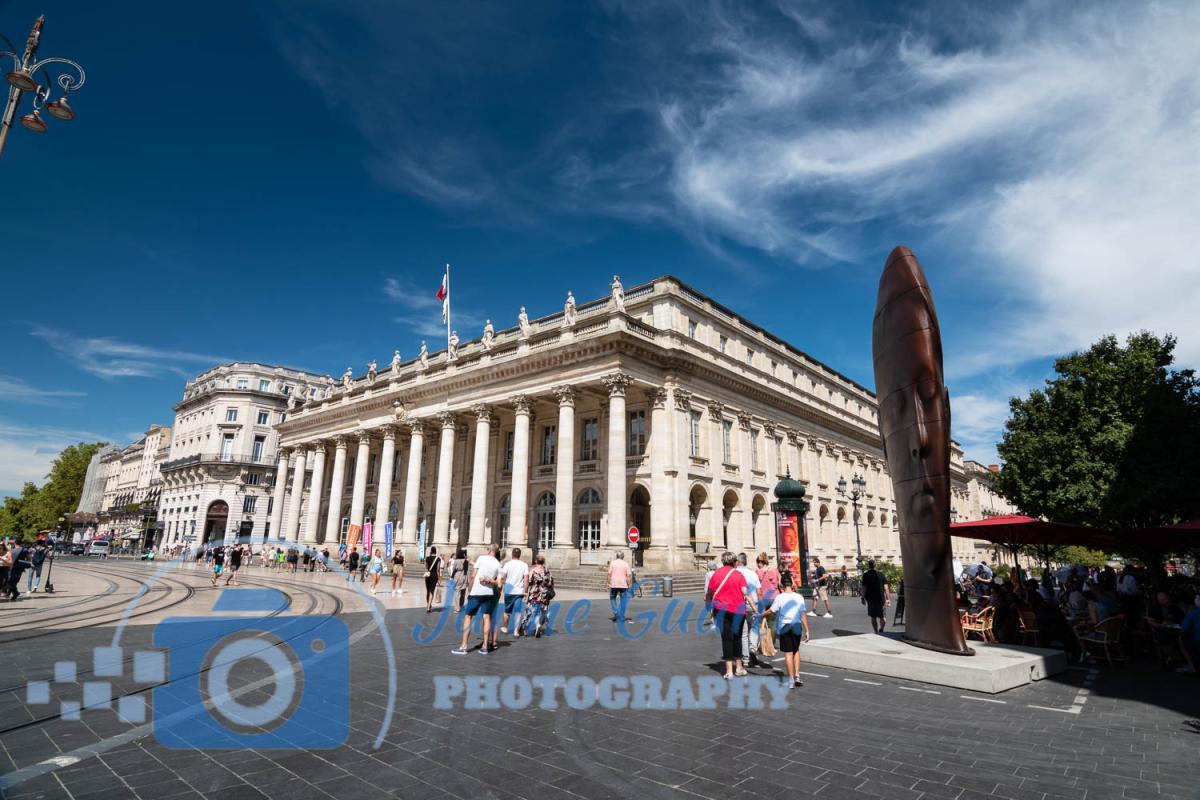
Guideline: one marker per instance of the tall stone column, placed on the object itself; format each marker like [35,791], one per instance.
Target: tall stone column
[412,483]
[479,476]
[387,460]
[660,458]
[315,493]
[745,514]
[441,518]
[617,503]
[796,456]
[773,456]
[564,475]
[337,485]
[281,476]
[518,518]
[358,500]
[292,525]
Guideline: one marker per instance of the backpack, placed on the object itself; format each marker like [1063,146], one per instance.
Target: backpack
[549,587]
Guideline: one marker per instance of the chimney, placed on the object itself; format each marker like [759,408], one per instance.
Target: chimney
[993,467]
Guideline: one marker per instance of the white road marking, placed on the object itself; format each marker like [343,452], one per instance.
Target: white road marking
[981,699]
[869,683]
[1075,710]
[915,689]
[813,674]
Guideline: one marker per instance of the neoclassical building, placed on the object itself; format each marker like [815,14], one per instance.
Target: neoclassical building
[218,476]
[657,407]
[132,485]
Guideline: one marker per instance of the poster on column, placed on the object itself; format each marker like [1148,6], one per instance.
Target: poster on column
[421,541]
[352,536]
[787,542]
[388,533]
[367,537]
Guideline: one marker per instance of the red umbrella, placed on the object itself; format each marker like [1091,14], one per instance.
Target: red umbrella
[1014,530]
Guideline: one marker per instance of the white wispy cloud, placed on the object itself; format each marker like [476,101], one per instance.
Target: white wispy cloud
[422,312]
[110,358]
[27,451]
[16,390]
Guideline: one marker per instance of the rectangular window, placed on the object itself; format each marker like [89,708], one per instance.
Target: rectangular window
[256,452]
[691,329]
[724,343]
[779,456]
[753,449]
[264,417]
[248,504]
[371,461]
[287,390]
[282,416]
[694,432]
[726,440]
[243,383]
[396,470]
[637,433]
[253,478]
[749,356]
[231,415]
[590,448]
[227,447]
[264,385]
[510,439]
[270,504]
[774,366]
[549,443]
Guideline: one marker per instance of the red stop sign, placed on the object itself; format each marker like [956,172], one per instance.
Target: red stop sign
[633,534]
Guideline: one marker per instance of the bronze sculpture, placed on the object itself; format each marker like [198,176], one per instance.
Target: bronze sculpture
[914,421]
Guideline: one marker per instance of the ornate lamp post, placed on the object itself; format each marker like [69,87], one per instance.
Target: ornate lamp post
[858,489]
[30,75]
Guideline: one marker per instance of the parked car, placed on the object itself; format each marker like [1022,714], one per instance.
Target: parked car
[78,549]
[98,547]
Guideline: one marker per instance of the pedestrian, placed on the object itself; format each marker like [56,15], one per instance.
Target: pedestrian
[307,559]
[293,559]
[620,576]
[325,560]
[821,588]
[376,570]
[280,558]
[516,573]
[728,598]
[750,635]
[36,558]
[398,572]
[6,559]
[875,596]
[352,563]
[538,594]
[769,581]
[791,623]
[433,574]
[460,568]
[235,563]
[485,585]
[218,562]
[362,566]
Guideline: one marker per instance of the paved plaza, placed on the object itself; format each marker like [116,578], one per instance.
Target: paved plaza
[1093,732]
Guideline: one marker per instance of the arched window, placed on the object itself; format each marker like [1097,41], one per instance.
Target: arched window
[369,516]
[545,520]
[588,514]
[394,511]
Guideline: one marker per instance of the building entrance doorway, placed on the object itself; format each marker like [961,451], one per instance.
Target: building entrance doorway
[214,523]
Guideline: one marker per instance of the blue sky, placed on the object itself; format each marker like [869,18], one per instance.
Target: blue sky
[282,182]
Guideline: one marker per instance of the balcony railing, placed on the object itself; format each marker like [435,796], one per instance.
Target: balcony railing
[216,458]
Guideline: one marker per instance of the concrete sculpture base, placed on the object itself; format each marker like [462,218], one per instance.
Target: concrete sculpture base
[995,667]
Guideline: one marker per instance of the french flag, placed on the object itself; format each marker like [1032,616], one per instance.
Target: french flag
[443,294]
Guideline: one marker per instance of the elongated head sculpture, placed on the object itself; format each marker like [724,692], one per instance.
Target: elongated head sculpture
[914,421]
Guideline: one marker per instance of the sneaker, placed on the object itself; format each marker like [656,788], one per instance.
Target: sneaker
[812,613]
[796,684]
[504,630]
[741,673]
[828,615]
[483,651]
[458,651]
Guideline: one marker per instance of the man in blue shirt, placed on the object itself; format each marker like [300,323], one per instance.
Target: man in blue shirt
[1189,637]
[821,587]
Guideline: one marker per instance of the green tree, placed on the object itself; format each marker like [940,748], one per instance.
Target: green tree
[38,508]
[1110,442]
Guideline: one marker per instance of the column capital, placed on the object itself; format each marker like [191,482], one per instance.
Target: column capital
[744,421]
[616,384]
[389,433]
[417,426]
[314,447]
[285,453]
[447,419]
[683,400]
[364,437]
[716,409]
[795,438]
[482,412]
[769,429]
[565,395]
[341,441]
[522,404]
[658,396]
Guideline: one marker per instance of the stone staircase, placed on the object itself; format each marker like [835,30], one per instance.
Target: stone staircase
[595,579]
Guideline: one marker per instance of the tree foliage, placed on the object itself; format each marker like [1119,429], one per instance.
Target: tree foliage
[38,508]
[1110,442]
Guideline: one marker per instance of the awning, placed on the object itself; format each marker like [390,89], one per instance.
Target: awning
[1014,530]
[1167,539]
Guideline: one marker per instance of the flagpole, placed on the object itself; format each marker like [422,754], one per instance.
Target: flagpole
[447,308]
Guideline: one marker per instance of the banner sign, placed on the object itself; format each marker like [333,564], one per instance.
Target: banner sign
[388,533]
[352,536]
[367,538]
[787,543]
[421,541]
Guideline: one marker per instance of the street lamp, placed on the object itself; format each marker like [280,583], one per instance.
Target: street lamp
[62,531]
[858,488]
[24,79]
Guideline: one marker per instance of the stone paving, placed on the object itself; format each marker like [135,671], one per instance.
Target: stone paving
[1096,732]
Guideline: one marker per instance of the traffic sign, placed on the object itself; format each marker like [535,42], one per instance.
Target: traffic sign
[633,534]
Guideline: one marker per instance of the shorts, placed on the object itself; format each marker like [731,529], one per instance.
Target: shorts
[875,610]
[217,568]
[823,593]
[511,601]
[485,603]
[789,640]
[235,567]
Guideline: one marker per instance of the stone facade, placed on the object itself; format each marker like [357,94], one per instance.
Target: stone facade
[221,467]
[657,407]
[132,486]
